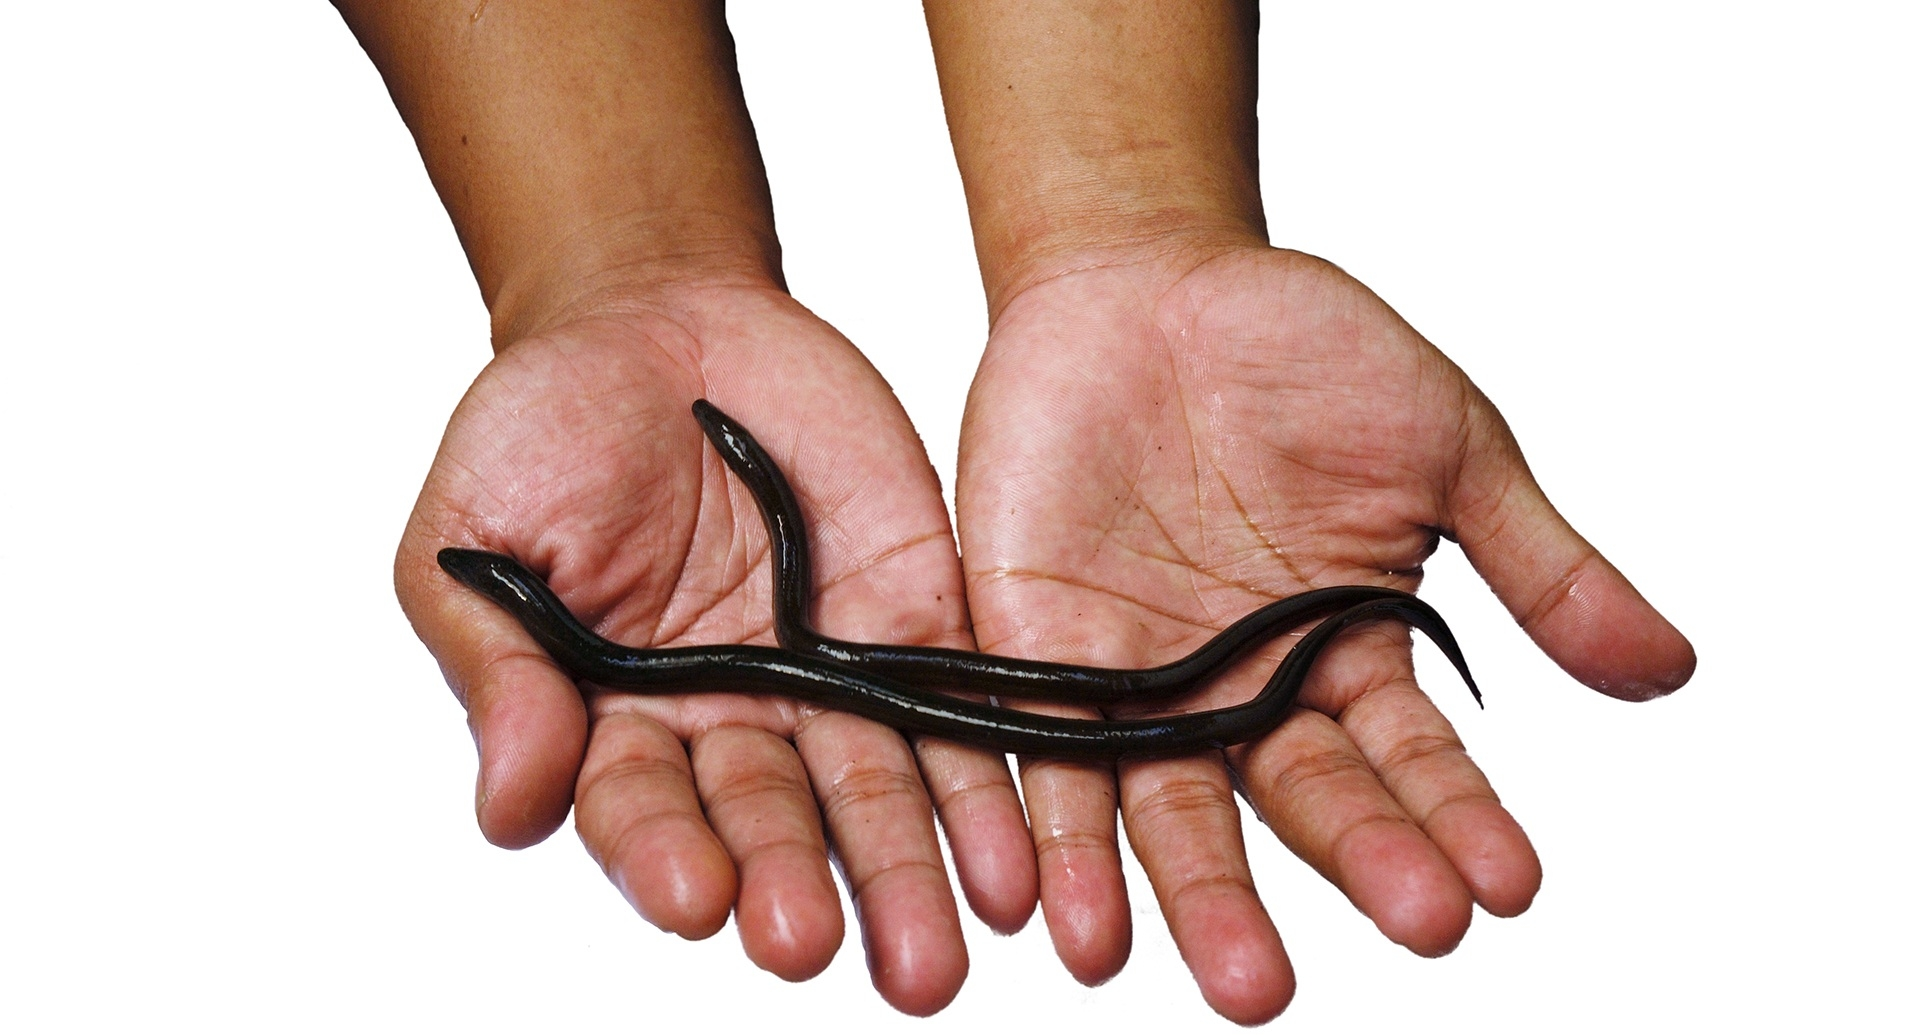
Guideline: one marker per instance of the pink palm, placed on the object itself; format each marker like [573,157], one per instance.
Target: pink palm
[575,452]
[1153,449]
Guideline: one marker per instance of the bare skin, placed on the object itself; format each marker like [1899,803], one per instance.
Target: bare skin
[1175,423]
[598,164]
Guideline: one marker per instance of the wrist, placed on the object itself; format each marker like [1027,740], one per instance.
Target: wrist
[1170,240]
[1083,131]
[582,149]
[648,260]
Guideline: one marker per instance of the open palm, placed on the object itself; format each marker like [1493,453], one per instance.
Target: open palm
[1155,448]
[575,452]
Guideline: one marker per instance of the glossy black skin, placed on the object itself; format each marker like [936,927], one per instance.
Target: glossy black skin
[969,672]
[873,679]
[736,668]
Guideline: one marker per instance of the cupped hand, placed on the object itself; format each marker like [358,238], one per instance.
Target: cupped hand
[1158,443]
[575,452]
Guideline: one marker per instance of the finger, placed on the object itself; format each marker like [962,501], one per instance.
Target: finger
[1315,789]
[881,823]
[760,805]
[1574,604]
[987,829]
[528,722]
[1076,842]
[1420,761]
[1184,824]
[640,819]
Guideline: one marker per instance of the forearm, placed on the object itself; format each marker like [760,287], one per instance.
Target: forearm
[1084,126]
[580,147]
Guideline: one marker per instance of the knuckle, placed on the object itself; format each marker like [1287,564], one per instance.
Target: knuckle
[754,791]
[868,879]
[1062,843]
[1050,769]
[1180,799]
[1211,883]
[1419,749]
[809,851]
[864,787]
[628,771]
[1558,592]
[1470,797]
[959,792]
[635,835]
[1336,849]
[1304,774]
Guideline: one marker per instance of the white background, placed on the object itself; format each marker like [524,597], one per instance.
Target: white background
[1673,241]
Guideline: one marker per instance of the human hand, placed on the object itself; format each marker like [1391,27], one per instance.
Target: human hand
[575,452]
[1161,439]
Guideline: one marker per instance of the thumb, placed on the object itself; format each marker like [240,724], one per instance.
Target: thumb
[1576,606]
[526,715]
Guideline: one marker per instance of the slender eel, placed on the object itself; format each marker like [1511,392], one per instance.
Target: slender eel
[736,668]
[969,672]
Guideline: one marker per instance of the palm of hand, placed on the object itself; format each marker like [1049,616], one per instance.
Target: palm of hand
[1150,454]
[1195,455]
[575,452]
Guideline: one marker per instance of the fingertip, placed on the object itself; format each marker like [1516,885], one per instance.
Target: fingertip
[921,998]
[1576,605]
[640,818]
[1083,890]
[794,939]
[916,954]
[1092,931]
[1492,854]
[993,856]
[1606,635]
[514,821]
[916,970]
[758,803]
[1250,1001]
[1241,967]
[986,828]
[685,885]
[880,822]
[1429,926]
[530,739]
[1001,888]
[1422,903]
[789,913]
[1667,668]
[1508,893]
[528,722]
